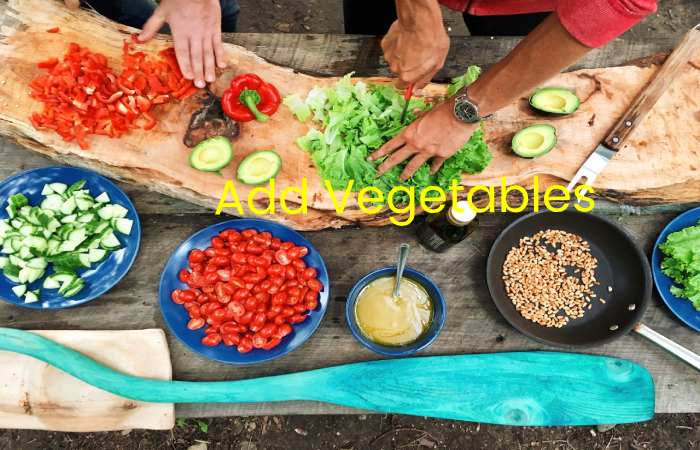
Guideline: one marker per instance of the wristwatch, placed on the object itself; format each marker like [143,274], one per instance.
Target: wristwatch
[466,110]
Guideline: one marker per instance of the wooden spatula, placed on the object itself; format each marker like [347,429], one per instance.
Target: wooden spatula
[525,388]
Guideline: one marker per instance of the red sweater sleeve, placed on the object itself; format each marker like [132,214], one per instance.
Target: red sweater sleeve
[594,23]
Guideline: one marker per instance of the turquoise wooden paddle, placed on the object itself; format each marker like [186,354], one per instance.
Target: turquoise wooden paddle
[522,388]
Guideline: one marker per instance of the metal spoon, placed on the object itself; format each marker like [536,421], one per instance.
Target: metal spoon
[400,266]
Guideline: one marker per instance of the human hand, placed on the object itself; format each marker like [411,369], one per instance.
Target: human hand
[416,52]
[196,28]
[72,4]
[424,139]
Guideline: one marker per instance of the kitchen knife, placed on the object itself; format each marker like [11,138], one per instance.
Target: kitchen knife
[407,97]
[639,108]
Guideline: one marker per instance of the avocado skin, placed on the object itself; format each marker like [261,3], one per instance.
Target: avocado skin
[572,100]
[549,132]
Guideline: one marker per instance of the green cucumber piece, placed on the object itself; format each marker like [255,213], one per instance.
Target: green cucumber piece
[123,225]
[31,296]
[58,188]
[110,241]
[102,198]
[19,290]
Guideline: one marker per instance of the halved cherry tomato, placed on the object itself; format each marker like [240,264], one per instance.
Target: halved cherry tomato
[211,340]
[195,324]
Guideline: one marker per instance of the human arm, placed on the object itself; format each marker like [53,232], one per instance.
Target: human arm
[196,29]
[515,75]
[560,40]
[416,45]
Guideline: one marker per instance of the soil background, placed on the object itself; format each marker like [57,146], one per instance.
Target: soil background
[665,431]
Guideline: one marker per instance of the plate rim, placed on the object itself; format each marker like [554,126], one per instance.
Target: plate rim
[164,297]
[130,206]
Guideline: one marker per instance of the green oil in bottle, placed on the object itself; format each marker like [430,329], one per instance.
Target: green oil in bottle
[444,229]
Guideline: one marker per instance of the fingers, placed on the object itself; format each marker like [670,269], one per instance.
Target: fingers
[219,52]
[209,64]
[436,164]
[182,53]
[413,165]
[395,143]
[153,25]
[197,62]
[396,158]
[72,4]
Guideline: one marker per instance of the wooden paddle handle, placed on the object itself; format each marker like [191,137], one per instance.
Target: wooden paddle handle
[646,100]
[521,388]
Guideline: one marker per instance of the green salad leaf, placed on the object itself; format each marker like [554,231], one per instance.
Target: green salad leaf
[355,119]
[682,263]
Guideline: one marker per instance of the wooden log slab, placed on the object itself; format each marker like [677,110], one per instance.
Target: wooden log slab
[661,163]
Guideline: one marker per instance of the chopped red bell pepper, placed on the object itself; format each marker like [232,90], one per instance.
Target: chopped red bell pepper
[250,98]
[53,30]
[81,95]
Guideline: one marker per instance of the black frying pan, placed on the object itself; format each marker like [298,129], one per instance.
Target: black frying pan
[621,264]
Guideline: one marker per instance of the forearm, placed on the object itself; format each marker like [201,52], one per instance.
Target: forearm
[545,52]
[414,14]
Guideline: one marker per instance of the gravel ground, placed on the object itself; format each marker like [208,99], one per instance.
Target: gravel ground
[666,431]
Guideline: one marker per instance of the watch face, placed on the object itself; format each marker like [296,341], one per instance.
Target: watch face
[465,110]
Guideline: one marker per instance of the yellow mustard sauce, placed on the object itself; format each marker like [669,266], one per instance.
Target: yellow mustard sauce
[389,321]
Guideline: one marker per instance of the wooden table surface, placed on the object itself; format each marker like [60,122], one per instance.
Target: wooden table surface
[473,323]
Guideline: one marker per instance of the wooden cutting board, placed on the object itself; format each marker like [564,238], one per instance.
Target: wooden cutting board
[661,163]
[36,395]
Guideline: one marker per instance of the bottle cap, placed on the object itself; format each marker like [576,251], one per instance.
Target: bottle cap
[461,212]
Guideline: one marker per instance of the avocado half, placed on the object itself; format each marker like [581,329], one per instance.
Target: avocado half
[555,100]
[534,141]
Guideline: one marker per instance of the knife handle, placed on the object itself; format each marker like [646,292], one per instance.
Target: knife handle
[646,100]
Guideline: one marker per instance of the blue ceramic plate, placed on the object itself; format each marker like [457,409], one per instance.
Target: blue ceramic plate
[99,278]
[681,307]
[176,317]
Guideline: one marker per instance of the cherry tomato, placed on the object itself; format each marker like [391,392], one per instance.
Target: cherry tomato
[236,308]
[246,318]
[217,242]
[297,318]
[245,346]
[299,265]
[282,257]
[175,296]
[211,278]
[268,330]
[195,323]
[184,275]
[239,258]
[286,245]
[249,233]
[275,244]
[196,256]
[314,285]
[211,340]
[309,273]
[210,253]
[290,273]
[231,340]
[272,343]
[284,330]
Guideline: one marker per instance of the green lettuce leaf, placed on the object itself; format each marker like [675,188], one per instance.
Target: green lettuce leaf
[682,263]
[355,119]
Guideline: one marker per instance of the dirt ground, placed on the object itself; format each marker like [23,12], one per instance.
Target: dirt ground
[667,431]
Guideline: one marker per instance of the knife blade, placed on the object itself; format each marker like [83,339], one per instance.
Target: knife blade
[641,105]
[407,97]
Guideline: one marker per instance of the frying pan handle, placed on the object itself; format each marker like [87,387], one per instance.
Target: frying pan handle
[683,353]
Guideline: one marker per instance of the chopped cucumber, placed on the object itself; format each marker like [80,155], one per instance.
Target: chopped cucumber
[96,255]
[123,225]
[58,188]
[67,231]
[109,241]
[31,296]
[19,290]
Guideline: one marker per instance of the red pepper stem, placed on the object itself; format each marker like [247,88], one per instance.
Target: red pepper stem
[251,98]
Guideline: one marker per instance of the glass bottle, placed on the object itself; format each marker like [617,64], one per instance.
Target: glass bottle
[442,230]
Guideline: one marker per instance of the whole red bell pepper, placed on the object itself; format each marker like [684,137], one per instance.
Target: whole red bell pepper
[250,98]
